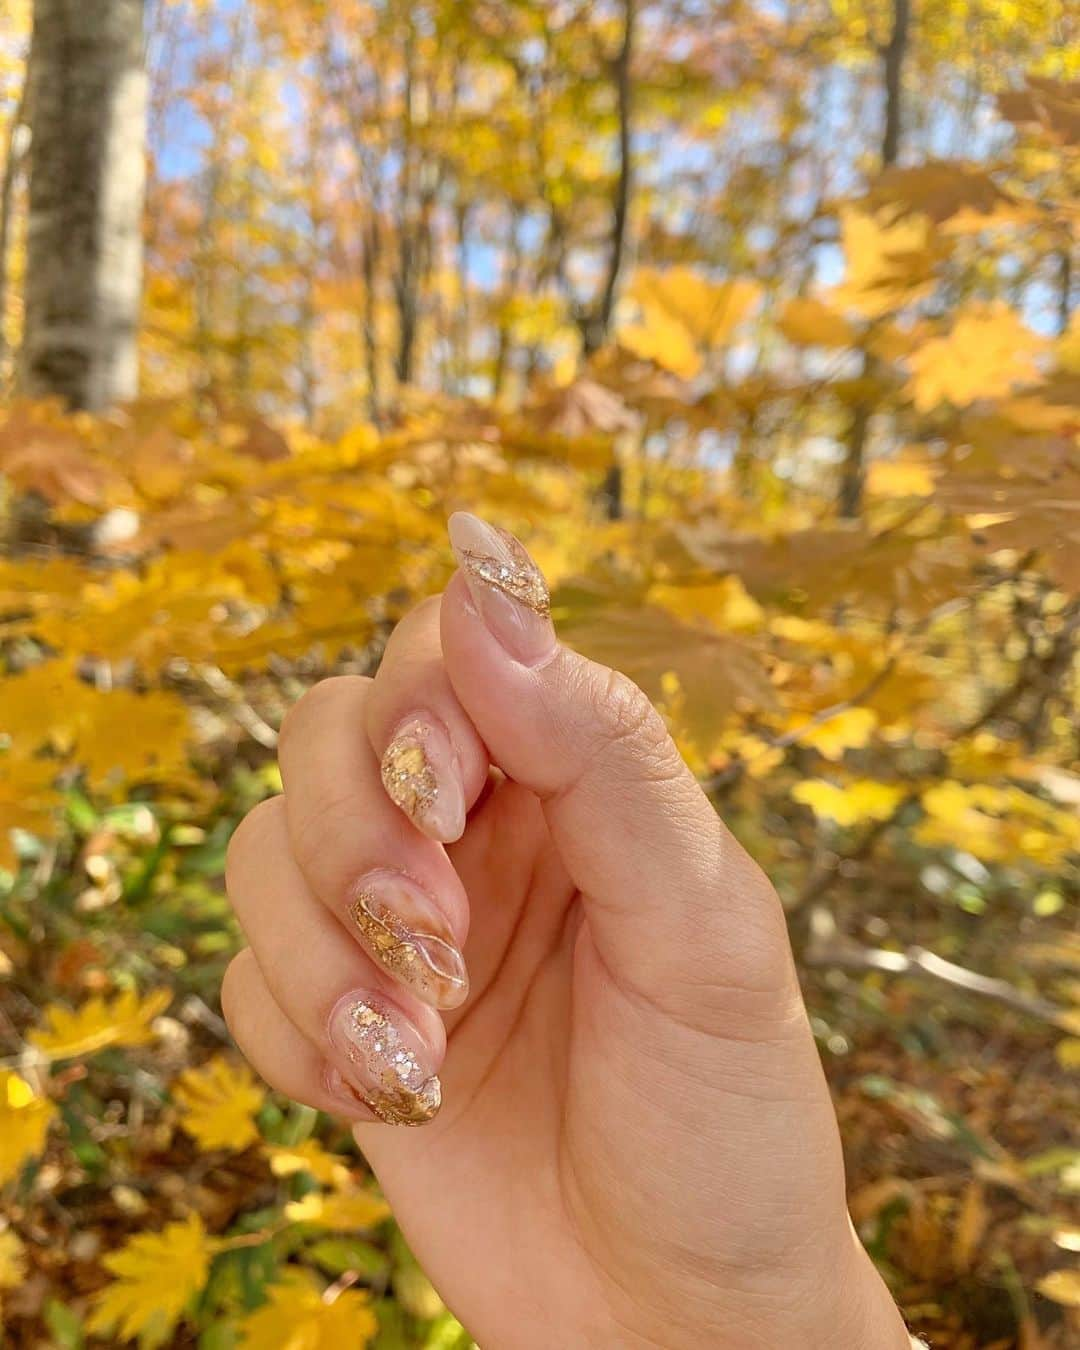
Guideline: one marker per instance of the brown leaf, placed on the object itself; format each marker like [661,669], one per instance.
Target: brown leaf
[716,673]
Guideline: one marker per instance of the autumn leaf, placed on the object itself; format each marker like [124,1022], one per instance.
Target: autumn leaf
[342,1210]
[25,1118]
[217,1104]
[812,323]
[889,262]
[156,1276]
[988,351]
[12,1259]
[716,673]
[309,1156]
[298,1315]
[849,729]
[684,314]
[1061,1286]
[13,1264]
[860,800]
[122,1020]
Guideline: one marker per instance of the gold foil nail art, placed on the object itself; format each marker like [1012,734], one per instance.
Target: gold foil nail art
[408,937]
[516,575]
[422,777]
[407,773]
[396,1086]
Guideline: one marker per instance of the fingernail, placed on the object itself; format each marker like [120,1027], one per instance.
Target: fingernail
[389,1062]
[421,775]
[404,931]
[506,585]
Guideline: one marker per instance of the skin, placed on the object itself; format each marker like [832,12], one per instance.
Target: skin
[636,1146]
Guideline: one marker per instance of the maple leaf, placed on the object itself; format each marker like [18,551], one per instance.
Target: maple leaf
[812,323]
[860,800]
[123,1020]
[988,350]
[217,1103]
[964,195]
[12,1259]
[299,1316]
[1052,106]
[850,729]
[683,314]
[24,1123]
[344,1210]
[309,1156]
[157,1275]
[889,261]
[715,672]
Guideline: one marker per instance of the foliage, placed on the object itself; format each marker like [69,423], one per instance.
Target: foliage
[816,487]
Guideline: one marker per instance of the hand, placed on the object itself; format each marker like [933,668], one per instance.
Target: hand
[635,1146]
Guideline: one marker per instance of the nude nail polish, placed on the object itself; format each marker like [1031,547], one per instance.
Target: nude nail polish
[388,1062]
[507,587]
[403,929]
[422,776]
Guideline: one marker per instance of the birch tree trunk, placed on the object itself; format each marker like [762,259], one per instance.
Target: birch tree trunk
[88,100]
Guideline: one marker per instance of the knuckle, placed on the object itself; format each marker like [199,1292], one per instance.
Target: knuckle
[231,1000]
[320,702]
[249,838]
[625,719]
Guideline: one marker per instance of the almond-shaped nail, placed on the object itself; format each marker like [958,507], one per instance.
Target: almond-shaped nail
[389,1065]
[405,932]
[421,775]
[506,585]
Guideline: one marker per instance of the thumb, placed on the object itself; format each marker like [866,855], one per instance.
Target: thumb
[677,910]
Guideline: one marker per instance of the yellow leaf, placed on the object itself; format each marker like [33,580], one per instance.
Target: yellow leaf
[888,262]
[723,602]
[217,1102]
[12,1259]
[683,315]
[157,1274]
[311,1157]
[1067,1052]
[664,341]
[988,350]
[341,1210]
[900,478]
[812,323]
[123,1020]
[1062,1286]
[847,730]
[860,800]
[298,1316]
[24,1123]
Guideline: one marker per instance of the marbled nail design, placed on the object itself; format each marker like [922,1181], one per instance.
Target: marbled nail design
[421,775]
[389,1069]
[404,930]
[506,585]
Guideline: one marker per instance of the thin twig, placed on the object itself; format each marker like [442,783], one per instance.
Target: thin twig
[920,962]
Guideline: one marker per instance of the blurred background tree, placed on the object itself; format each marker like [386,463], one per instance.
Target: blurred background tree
[758,321]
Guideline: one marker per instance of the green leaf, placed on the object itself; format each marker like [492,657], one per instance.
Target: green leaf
[336,1255]
[65,1326]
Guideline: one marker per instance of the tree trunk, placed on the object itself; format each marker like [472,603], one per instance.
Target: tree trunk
[892,66]
[595,325]
[16,148]
[87,184]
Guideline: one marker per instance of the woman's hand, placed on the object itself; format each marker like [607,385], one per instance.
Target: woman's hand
[635,1145]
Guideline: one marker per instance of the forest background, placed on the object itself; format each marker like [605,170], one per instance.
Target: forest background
[758,321]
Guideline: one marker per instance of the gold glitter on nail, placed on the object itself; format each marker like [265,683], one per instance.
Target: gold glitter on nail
[407,775]
[428,962]
[516,575]
[401,1092]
